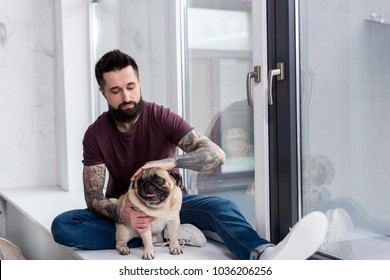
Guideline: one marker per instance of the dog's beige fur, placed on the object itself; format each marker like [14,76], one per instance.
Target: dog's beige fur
[166,213]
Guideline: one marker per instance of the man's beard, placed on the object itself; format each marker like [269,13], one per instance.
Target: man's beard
[128,115]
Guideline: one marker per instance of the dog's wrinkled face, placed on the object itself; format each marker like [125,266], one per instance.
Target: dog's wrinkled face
[154,185]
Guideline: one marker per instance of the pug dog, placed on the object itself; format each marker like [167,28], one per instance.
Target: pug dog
[156,193]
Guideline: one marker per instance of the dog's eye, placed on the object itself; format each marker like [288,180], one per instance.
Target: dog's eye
[159,181]
[140,182]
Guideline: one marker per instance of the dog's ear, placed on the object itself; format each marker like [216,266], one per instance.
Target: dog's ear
[175,176]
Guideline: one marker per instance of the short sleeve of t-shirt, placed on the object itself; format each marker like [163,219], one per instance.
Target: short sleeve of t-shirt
[92,154]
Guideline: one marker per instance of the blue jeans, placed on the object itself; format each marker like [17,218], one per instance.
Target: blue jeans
[86,229]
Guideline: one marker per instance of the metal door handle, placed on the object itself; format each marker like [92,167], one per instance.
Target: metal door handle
[256,75]
[280,76]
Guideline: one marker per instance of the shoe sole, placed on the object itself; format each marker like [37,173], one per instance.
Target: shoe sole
[301,243]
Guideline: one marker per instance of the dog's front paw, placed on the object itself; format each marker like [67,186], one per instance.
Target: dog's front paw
[174,247]
[123,249]
[148,255]
[175,251]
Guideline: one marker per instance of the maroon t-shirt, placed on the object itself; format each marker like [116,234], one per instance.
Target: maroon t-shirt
[155,136]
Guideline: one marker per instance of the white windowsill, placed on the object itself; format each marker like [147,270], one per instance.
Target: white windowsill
[41,205]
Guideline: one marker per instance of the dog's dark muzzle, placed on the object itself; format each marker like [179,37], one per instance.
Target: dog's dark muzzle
[152,192]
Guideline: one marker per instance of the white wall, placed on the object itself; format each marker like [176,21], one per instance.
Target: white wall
[73,88]
[27,111]
[45,76]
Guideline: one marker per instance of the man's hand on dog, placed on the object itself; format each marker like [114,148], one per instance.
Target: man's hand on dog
[138,220]
[168,164]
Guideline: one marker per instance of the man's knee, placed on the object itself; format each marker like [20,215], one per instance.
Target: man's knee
[224,203]
[56,228]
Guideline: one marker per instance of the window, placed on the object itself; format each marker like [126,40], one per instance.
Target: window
[143,30]
[218,54]
[216,43]
[344,101]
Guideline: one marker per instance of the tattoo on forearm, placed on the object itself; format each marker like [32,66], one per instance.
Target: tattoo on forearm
[94,178]
[201,153]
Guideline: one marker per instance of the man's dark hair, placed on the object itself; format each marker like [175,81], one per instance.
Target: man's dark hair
[113,61]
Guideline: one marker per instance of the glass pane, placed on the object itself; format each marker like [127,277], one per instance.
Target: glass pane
[144,35]
[223,29]
[345,100]
[218,57]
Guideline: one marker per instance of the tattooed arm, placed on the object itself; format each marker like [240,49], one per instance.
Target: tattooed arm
[201,154]
[94,179]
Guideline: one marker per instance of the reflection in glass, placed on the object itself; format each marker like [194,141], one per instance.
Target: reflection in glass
[218,57]
[344,99]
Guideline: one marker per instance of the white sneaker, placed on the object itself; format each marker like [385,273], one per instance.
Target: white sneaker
[158,238]
[302,241]
[189,235]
